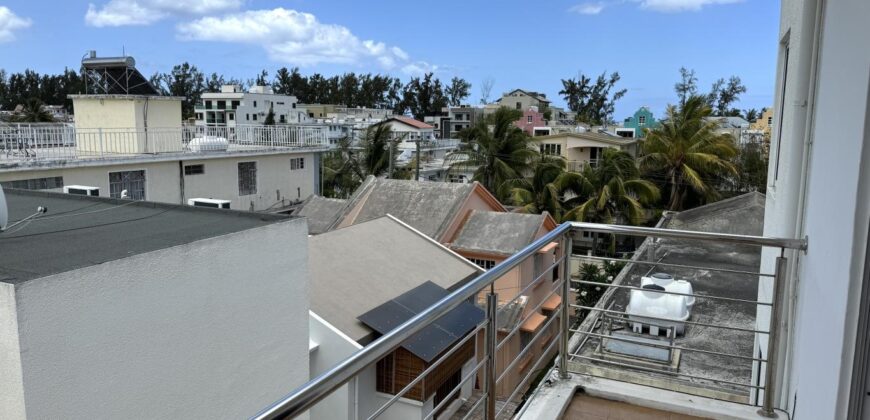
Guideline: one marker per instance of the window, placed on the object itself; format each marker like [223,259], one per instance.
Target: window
[207,104]
[551,149]
[280,103]
[282,119]
[235,104]
[248,117]
[769,120]
[194,169]
[255,104]
[231,116]
[247,178]
[641,120]
[525,339]
[131,181]
[294,105]
[35,183]
[222,104]
[519,105]
[529,119]
[297,163]
[255,117]
[199,116]
[483,263]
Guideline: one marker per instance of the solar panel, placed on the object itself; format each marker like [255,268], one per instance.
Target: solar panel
[435,338]
[116,76]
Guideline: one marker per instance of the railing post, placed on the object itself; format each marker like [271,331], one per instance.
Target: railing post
[100,132]
[567,244]
[776,308]
[490,347]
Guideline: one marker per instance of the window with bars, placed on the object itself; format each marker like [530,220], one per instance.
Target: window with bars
[35,183]
[194,169]
[641,120]
[483,263]
[247,178]
[131,181]
[297,163]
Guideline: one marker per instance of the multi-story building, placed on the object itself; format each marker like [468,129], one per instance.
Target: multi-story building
[582,148]
[116,308]
[232,106]
[532,121]
[135,146]
[520,99]
[764,123]
[636,125]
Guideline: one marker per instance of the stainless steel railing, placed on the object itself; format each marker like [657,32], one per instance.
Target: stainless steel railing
[494,373]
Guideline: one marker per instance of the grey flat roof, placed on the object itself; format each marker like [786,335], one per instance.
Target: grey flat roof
[79,231]
[498,232]
[357,268]
[743,214]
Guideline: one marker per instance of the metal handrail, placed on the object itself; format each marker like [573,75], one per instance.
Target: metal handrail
[304,397]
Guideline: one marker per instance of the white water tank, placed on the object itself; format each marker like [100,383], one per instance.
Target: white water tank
[209,144]
[671,285]
[655,309]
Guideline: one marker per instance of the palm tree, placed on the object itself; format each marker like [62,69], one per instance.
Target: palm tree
[612,191]
[347,166]
[500,155]
[341,173]
[545,189]
[378,147]
[688,152]
[33,111]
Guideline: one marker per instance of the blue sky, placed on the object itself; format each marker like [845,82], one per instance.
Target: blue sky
[517,44]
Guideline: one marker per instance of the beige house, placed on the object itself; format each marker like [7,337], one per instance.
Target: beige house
[581,149]
[764,123]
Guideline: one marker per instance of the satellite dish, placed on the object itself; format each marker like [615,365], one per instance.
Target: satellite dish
[4,211]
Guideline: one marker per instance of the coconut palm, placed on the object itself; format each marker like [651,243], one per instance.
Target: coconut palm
[544,190]
[688,153]
[501,153]
[33,111]
[612,191]
[376,151]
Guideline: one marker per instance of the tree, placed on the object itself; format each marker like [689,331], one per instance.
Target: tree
[545,189]
[500,155]
[423,96]
[750,114]
[270,117]
[752,164]
[486,90]
[341,174]
[33,111]
[262,79]
[185,81]
[457,91]
[379,148]
[687,86]
[612,191]
[593,103]
[687,153]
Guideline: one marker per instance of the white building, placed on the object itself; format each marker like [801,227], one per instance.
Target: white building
[127,309]
[232,106]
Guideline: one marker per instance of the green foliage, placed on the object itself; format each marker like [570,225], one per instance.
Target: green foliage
[458,90]
[33,111]
[686,154]
[751,162]
[17,88]
[590,294]
[593,103]
[186,81]
[345,167]
[501,155]
[270,117]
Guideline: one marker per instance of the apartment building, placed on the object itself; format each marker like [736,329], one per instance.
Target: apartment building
[582,148]
[520,99]
[233,106]
[130,309]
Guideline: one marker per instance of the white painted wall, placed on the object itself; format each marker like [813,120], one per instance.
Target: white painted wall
[332,347]
[275,179]
[827,199]
[11,380]
[212,329]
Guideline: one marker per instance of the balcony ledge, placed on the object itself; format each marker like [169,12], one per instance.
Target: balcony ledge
[549,402]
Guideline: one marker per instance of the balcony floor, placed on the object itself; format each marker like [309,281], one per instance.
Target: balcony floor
[585,407]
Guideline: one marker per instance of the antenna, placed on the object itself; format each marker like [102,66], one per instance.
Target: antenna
[4,211]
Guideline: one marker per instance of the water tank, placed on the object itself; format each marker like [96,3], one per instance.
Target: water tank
[655,309]
[208,144]
[671,285]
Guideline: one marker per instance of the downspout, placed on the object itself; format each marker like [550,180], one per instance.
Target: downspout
[145,123]
[181,180]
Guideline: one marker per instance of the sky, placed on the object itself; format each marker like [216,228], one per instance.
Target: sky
[515,44]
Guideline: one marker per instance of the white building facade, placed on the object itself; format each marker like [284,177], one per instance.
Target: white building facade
[232,106]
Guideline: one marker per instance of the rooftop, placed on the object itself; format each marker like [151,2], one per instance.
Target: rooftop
[79,231]
[409,121]
[320,212]
[358,268]
[498,232]
[600,137]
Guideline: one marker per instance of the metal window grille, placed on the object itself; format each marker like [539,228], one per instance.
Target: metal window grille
[247,178]
[35,183]
[132,181]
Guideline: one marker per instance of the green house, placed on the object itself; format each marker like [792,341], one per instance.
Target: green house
[634,126]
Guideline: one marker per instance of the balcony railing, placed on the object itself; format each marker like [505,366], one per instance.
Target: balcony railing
[571,325]
[36,142]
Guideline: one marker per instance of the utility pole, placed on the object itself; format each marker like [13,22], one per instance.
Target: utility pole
[390,170]
[418,160]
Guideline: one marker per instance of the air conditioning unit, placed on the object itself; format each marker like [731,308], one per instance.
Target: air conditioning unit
[82,190]
[209,202]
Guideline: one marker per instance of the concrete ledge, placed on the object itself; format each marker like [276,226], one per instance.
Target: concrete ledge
[551,401]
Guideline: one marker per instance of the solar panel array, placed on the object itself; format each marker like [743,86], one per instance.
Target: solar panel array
[435,338]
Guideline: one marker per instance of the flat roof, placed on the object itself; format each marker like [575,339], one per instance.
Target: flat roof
[79,231]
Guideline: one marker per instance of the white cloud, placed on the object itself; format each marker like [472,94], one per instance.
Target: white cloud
[9,23]
[146,12]
[296,38]
[419,68]
[681,5]
[587,8]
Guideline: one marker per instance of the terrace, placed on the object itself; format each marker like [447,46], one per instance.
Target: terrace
[594,362]
[24,145]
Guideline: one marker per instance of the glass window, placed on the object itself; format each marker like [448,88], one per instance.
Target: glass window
[133,182]
[247,178]
[35,183]
[194,169]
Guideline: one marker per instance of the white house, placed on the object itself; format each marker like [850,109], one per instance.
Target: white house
[232,106]
[127,309]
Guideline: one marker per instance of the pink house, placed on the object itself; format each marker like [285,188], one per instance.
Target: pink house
[531,118]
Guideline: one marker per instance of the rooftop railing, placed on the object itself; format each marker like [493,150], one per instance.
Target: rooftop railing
[501,372]
[41,142]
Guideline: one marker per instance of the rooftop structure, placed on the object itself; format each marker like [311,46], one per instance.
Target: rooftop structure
[115,76]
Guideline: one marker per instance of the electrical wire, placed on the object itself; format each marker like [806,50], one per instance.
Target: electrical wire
[86,227]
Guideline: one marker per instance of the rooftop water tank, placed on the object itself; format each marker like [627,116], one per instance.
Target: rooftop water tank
[651,307]
[671,285]
[209,144]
